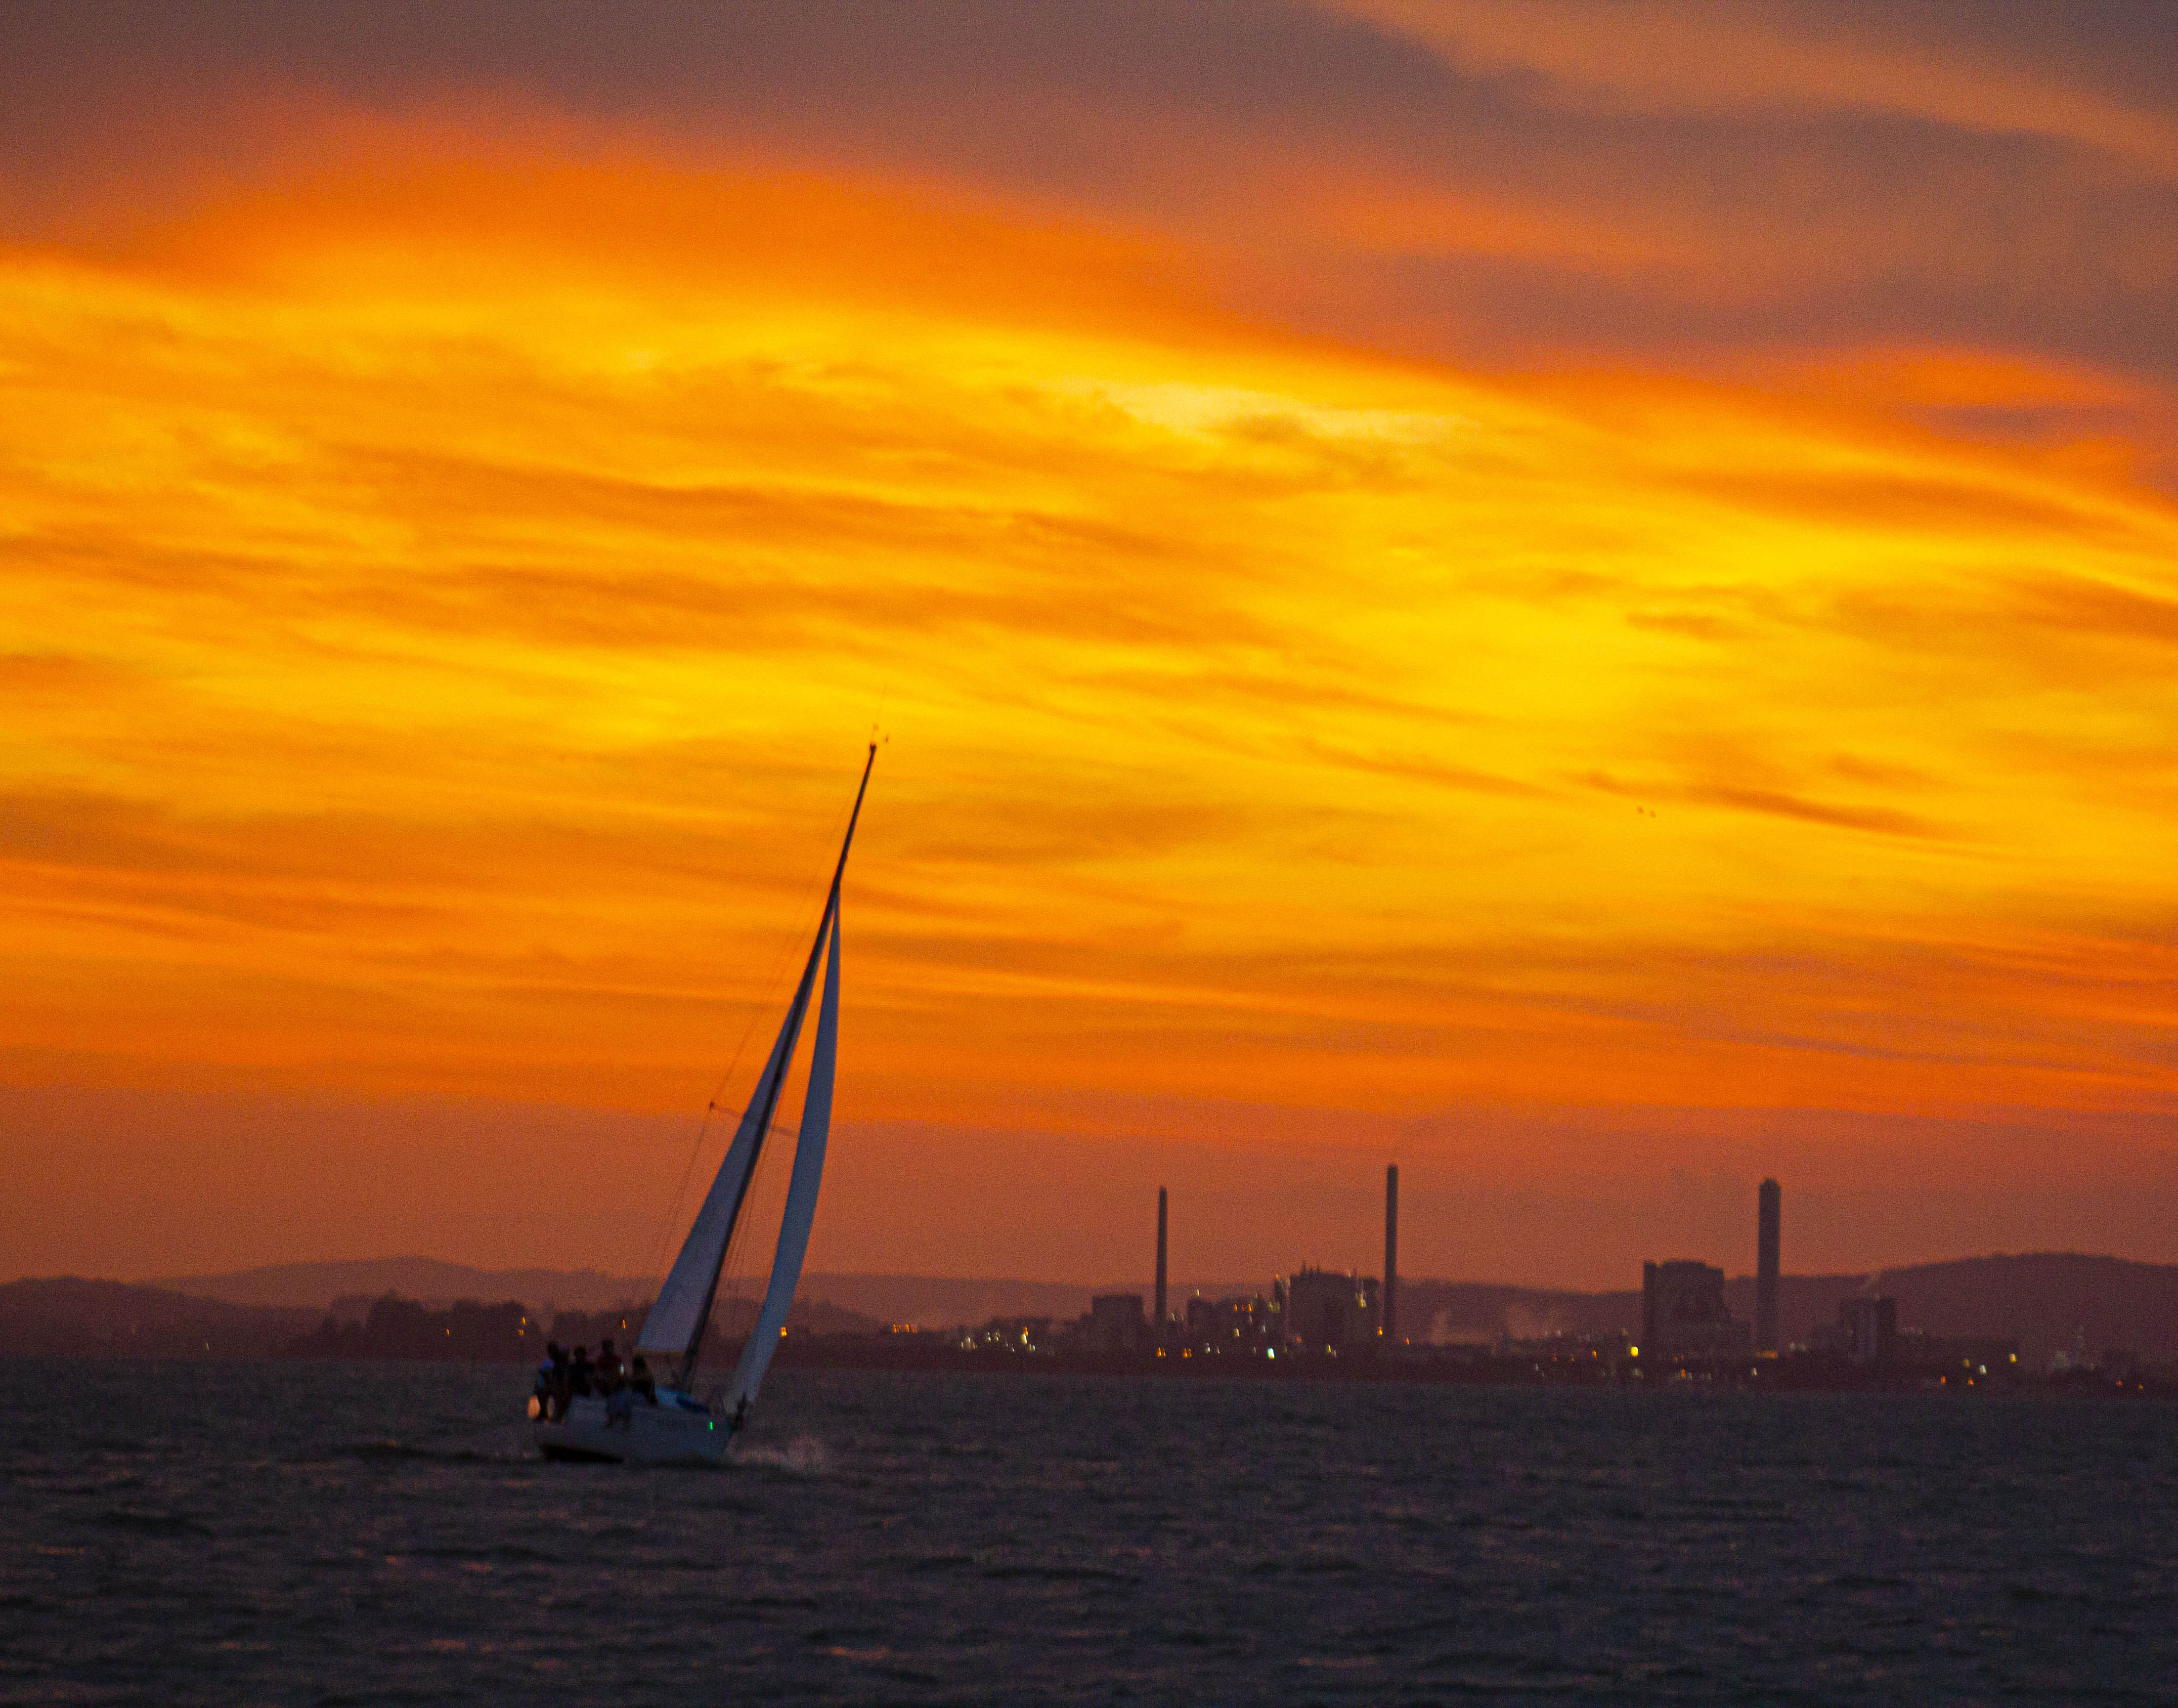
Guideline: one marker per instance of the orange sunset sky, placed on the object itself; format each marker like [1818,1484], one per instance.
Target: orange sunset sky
[1580,598]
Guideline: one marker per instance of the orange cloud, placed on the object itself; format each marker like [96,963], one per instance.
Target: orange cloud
[445,600]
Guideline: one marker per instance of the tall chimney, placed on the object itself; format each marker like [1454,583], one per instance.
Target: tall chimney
[1765,1269]
[1392,1255]
[1158,1322]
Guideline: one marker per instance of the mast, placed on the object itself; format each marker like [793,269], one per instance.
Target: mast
[756,1121]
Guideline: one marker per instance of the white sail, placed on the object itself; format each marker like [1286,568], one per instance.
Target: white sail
[677,1317]
[676,1426]
[800,1212]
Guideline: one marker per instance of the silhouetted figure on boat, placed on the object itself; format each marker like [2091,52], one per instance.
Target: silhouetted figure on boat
[623,1385]
[579,1373]
[609,1376]
[551,1392]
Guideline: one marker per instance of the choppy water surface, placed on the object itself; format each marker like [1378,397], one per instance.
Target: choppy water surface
[304,1533]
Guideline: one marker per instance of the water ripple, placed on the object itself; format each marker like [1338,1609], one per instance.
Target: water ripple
[378,1534]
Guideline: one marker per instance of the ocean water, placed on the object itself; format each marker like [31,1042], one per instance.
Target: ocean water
[311,1533]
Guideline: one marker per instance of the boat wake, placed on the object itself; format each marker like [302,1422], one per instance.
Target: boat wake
[805,1456]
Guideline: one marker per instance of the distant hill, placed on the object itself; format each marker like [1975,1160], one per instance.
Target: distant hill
[68,1315]
[930,1301]
[315,1286]
[2036,1299]
[2041,1298]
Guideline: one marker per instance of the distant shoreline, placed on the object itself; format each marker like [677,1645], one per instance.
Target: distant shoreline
[1462,1366]
[2117,1311]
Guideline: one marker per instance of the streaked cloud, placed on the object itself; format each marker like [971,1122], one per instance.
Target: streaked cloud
[1977,67]
[1414,563]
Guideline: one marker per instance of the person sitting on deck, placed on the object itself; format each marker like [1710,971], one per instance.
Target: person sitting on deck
[641,1382]
[548,1382]
[579,1386]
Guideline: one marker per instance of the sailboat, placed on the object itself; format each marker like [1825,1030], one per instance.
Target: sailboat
[680,1427]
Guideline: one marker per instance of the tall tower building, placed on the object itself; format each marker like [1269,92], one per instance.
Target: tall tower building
[1156,1324]
[1765,1269]
[1392,1255]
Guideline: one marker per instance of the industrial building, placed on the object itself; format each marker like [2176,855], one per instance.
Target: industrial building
[1115,1323]
[1330,1312]
[1683,1312]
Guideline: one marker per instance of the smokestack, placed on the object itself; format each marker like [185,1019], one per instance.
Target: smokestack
[1765,1269]
[1159,1318]
[1392,1254]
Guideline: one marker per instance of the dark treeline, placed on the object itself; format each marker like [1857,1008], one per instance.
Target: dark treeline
[467,1330]
[67,1316]
[393,1327]
[399,1327]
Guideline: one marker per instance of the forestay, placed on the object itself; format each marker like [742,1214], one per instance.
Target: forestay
[677,1321]
[684,1307]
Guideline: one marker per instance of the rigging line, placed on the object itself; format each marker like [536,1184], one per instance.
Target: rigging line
[731,1271]
[757,1007]
[673,1211]
[787,944]
[763,1177]
[665,1233]
[671,1219]
[777,1072]
[760,1004]
[777,1124]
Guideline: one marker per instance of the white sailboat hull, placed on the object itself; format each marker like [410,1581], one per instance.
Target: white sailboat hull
[676,1431]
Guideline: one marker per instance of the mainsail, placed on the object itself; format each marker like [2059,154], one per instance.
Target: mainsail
[677,1321]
